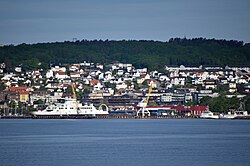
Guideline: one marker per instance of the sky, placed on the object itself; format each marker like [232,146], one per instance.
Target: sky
[39,21]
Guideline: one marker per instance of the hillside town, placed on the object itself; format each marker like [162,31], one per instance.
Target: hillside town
[120,86]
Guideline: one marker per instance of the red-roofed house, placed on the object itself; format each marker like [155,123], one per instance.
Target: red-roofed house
[197,110]
[94,82]
[60,75]
[24,96]
[75,75]
[22,92]
[152,83]
[146,76]
[18,89]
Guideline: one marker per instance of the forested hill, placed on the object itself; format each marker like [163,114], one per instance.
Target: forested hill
[152,54]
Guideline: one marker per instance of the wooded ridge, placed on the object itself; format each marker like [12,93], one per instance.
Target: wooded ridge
[142,53]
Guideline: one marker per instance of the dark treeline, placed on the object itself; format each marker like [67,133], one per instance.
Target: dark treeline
[143,53]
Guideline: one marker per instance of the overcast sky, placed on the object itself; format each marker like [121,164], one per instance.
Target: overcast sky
[37,21]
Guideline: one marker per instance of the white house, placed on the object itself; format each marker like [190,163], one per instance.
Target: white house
[98,87]
[143,70]
[164,78]
[49,74]
[61,75]
[166,97]
[140,80]
[147,76]
[101,76]
[120,72]
[136,74]
[121,86]
[210,84]
[129,68]
[232,87]
[85,64]
[99,66]
[18,69]
[175,81]
[174,74]
[7,77]
[182,80]
[152,83]
[74,68]
[58,69]
[108,76]
[75,75]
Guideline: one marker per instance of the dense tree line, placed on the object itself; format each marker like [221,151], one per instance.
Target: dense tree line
[223,104]
[151,54]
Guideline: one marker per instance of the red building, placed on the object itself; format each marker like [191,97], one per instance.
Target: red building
[194,110]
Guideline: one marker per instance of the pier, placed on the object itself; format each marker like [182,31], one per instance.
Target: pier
[95,117]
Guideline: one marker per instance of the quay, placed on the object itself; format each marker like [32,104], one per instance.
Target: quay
[140,117]
[16,117]
[46,117]
[96,117]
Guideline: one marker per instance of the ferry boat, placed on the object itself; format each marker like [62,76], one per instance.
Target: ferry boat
[209,115]
[71,107]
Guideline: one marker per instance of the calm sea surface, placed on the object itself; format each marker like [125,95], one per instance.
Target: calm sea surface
[124,142]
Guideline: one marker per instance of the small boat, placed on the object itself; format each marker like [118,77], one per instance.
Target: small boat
[229,115]
[209,115]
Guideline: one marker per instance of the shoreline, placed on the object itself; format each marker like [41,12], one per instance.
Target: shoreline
[113,117]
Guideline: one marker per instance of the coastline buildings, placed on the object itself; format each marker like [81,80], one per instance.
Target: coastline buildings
[122,86]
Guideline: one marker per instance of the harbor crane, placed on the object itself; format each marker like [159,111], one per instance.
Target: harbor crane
[143,104]
[74,95]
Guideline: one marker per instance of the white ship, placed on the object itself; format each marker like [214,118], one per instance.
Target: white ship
[209,115]
[239,113]
[71,107]
[233,115]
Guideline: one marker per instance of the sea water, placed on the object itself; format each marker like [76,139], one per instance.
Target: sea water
[114,142]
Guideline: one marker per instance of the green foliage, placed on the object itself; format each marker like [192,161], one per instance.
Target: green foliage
[69,91]
[247,103]
[86,91]
[136,86]
[30,64]
[152,103]
[2,87]
[222,89]
[79,95]
[40,101]
[145,83]
[221,103]
[109,85]
[12,104]
[199,87]
[151,54]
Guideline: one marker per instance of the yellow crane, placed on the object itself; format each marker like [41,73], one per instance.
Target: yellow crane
[74,94]
[148,96]
[143,104]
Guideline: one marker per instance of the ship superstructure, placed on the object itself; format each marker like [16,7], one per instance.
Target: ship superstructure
[69,107]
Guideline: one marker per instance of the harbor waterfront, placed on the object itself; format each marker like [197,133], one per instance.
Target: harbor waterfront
[124,142]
